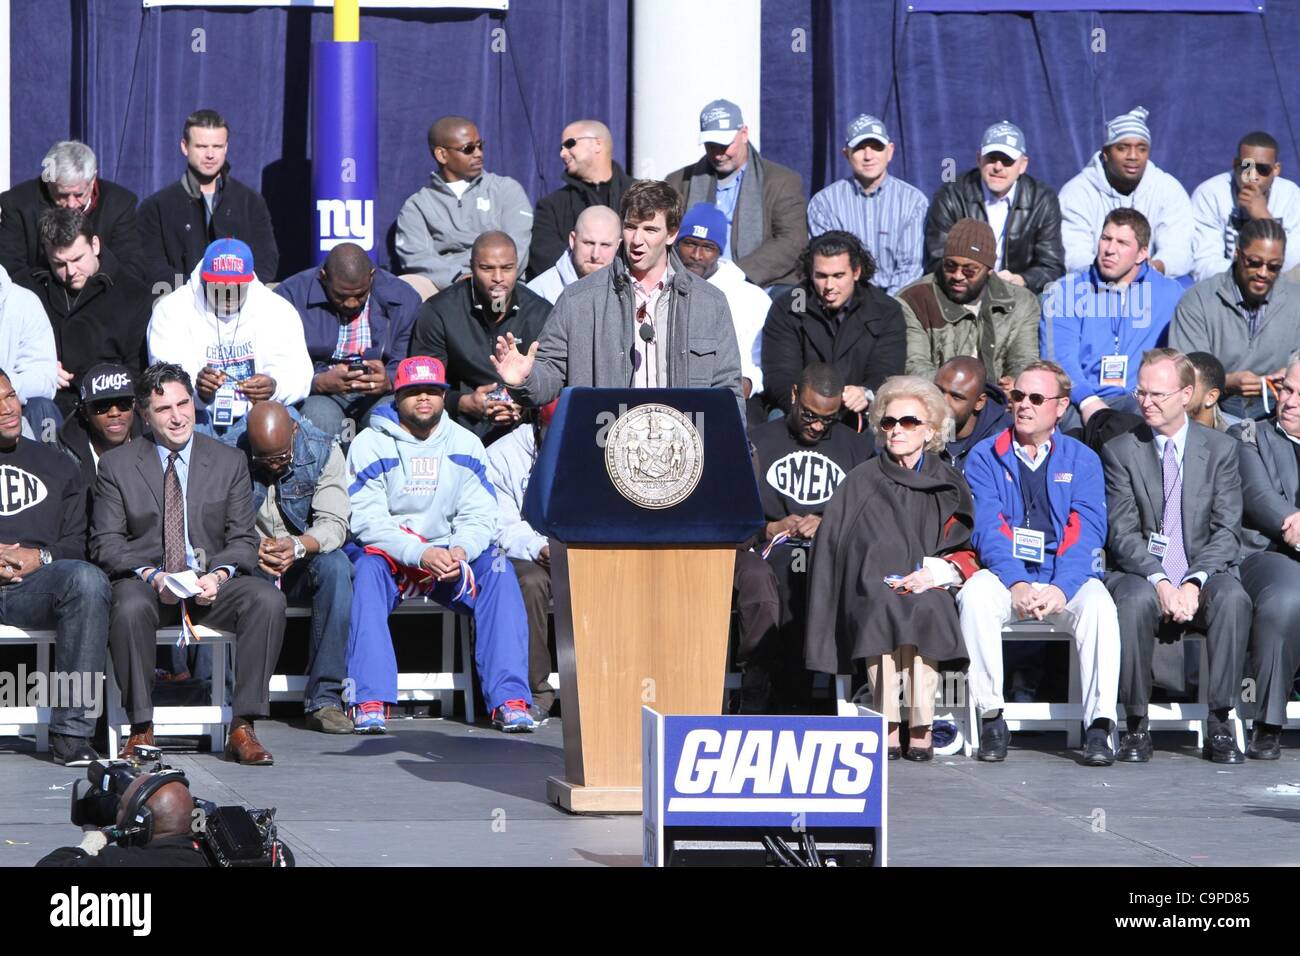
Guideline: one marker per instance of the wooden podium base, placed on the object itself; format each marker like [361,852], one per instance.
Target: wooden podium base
[579,799]
[634,626]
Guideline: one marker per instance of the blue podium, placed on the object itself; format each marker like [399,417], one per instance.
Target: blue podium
[645,495]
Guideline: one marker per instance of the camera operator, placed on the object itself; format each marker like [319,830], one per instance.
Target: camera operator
[170,840]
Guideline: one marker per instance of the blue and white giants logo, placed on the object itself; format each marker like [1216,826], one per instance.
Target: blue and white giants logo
[346,220]
[766,771]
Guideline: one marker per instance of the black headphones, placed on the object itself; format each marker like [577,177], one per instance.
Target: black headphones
[137,825]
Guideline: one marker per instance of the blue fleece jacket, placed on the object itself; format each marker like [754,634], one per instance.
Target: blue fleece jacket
[409,494]
[1083,315]
[1076,491]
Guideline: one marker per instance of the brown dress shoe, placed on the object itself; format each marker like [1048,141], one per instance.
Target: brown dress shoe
[243,747]
[145,739]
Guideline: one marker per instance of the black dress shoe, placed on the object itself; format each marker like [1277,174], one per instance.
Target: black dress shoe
[919,754]
[1221,747]
[895,753]
[1265,743]
[1134,747]
[994,736]
[1097,752]
[72,751]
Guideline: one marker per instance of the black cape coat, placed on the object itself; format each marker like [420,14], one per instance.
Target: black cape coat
[883,520]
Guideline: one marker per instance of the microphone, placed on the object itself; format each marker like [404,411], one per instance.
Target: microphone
[647,332]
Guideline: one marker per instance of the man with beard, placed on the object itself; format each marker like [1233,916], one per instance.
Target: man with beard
[1246,318]
[205,204]
[593,243]
[699,246]
[357,323]
[801,459]
[964,308]
[837,316]
[1097,323]
[460,326]
[423,516]
[979,410]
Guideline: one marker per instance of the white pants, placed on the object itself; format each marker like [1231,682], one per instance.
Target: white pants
[985,606]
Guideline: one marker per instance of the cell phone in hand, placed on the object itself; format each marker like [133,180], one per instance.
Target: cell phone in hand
[501,394]
[357,364]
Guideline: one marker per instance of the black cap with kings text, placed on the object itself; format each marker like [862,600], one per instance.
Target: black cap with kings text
[107,381]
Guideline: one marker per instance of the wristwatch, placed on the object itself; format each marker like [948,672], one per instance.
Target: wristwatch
[299,549]
[46,556]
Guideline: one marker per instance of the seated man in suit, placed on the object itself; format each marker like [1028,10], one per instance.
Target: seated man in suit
[1040,522]
[152,522]
[1174,493]
[1269,455]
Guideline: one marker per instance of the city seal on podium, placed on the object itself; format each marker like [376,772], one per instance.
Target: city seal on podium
[654,456]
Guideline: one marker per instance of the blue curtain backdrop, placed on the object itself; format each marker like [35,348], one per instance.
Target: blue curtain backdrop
[123,78]
[937,80]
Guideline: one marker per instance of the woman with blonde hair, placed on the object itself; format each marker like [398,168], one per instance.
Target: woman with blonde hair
[892,541]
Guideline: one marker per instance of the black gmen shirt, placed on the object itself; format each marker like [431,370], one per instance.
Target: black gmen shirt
[800,479]
[42,500]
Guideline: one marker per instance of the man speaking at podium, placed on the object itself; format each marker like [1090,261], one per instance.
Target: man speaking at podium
[622,326]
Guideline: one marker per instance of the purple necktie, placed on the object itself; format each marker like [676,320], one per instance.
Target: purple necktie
[1175,559]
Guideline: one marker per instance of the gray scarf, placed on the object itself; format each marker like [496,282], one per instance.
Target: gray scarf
[746,237]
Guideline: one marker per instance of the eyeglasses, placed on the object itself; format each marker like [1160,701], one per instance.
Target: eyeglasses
[1264,169]
[1141,394]
[970,271]
[103,406]
[910,423]
[808,418]
[274,461]
[1254,262]
[469,149]
[1017,396]
[572,141]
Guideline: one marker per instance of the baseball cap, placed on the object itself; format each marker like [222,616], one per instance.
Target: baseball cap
[420,370]
[228,261]
[107,380]
[719,122]
[1004,137]
[704,221]
[866,127]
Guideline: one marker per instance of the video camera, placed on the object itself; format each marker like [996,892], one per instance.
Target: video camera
[230,836]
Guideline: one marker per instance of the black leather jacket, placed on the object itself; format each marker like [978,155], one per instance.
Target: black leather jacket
[1033,243]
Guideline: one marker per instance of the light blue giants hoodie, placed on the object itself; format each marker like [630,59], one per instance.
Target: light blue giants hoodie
[437,488]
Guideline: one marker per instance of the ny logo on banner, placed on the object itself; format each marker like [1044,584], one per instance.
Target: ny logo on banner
[346,220]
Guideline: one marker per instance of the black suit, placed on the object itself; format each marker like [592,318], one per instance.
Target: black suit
[1270,483]
[1211,517]
[128,534]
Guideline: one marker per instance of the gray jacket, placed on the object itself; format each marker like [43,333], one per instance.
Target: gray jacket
[589,337]
[1211,501]
[1269,483]
[1209,319]
[435,229]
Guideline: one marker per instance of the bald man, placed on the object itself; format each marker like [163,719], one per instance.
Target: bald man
[438,225]
[171,844]
[978,408]
[301,497]
[592,245]
[353,314]
[460,325]
[591,178]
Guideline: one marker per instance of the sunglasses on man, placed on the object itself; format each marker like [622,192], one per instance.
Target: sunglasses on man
[1255,263]
[469,149]
[105,405]
[1035,398]
[1264,169]
[572,141]
[970,271]
[808,418]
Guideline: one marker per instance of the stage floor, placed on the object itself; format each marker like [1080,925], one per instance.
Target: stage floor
[437,792]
